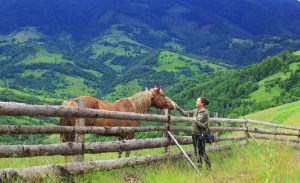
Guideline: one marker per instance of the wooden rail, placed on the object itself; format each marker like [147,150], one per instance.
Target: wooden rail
[39,172]
[80,147]
[18,129]
[73,148]
[20,109]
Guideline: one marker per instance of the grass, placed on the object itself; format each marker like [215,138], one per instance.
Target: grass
[42,56]
[93,72]
[262,161]
[75,86]
[173,62]
[120,44]
[175,46]
[117,68]
[287,114]
[297,52]
[124,90]
[24,35]
[257,162]
[23,94]
[261,94]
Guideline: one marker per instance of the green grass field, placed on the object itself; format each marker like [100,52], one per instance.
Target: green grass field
[42,56]
[297,52]
[174,62]
[124,90]
[261,94]
[257,162]
[287,114]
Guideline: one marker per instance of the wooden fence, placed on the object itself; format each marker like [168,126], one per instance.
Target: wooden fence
[80,147]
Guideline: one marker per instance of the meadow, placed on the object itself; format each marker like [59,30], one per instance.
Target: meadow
[258,161]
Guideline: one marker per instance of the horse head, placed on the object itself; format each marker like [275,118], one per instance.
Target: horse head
[160,100]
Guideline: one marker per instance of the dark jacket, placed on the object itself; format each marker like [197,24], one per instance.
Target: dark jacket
[200,125]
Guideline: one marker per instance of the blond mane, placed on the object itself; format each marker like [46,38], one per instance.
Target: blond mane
[141,101]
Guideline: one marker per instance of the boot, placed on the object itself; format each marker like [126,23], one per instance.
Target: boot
[199,162]
[207,162]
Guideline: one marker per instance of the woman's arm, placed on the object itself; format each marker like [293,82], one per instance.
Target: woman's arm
[188,113]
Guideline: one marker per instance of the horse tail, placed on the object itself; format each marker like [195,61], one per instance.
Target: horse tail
[66,121]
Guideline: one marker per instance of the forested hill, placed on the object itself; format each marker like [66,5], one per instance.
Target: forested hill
[272,82]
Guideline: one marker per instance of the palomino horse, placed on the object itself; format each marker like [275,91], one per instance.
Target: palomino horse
[139,103]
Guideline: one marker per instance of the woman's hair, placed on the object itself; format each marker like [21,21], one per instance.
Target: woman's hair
[204,101]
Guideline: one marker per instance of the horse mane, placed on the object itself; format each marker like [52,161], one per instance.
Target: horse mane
[141,101]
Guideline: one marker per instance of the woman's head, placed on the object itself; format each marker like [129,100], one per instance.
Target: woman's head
[202,102]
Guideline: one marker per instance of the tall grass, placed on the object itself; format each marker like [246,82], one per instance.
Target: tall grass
[262,161]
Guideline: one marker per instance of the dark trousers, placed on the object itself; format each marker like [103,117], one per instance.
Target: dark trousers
[199,143]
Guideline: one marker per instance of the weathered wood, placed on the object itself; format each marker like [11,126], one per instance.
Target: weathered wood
[294,144]
[15,129]
[276,138]
[216,124]
[105,130]
[247,134]
[79,138]
[167,126]
[226,120]
[273,124]
[94,147]
[73,148]
[40,172]
[20,109]
[273,132]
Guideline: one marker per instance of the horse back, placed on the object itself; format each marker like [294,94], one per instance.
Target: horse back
[122,105]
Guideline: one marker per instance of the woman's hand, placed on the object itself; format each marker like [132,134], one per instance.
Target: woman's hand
[175,105]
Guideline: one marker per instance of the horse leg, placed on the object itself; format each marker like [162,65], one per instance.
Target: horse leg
[66,137]
[129,137]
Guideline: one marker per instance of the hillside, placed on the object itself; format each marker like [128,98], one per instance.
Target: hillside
[287,114]
[107,30]
[272,82]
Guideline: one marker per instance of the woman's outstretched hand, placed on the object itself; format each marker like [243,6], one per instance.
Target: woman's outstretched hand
[176,105]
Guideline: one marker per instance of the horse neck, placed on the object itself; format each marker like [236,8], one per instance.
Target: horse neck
[141,101]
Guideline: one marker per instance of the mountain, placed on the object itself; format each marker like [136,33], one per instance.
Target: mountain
[237,32]
[53,50]
[60,49]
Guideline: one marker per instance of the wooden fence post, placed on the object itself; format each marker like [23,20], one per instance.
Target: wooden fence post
[80,137]
[167,126]
[216,124]
[246,132]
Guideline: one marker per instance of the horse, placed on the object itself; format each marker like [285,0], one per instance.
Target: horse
[138,103]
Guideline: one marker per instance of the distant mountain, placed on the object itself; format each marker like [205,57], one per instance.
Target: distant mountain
[237,32]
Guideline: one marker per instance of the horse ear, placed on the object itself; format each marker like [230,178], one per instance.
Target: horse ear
[146,88]
[158,88]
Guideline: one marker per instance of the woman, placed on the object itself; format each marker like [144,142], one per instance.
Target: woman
[200,129]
